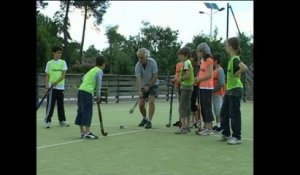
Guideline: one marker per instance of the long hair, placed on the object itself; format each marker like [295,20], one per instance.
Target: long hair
[234,42]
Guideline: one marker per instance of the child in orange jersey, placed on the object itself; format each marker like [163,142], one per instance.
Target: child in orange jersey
[205,81]
[218,91]
[177,86]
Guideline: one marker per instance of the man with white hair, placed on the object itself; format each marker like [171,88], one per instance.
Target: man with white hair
[146,73]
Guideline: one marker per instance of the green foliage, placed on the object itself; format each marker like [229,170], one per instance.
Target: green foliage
[121,53]
[123,64]
[93,8]
[217,46]
[91,53]
[81,68]
[47,36]
[163,45]
[118,59]
[73,52]
[247,49]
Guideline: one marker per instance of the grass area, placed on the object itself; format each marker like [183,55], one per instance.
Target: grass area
[134,150]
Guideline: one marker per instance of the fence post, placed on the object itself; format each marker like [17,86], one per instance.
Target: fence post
[118,88]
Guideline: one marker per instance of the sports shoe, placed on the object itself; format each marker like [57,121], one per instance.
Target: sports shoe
[182,131]
[195,125]
[188,129]
[199,130]
[64,124]
[234,141]
[148,125]
[217,129]
[205,132]
[90,136]
[81,135]
[143,122]
[224,137]
[47,125]
[214,128]
[178,123]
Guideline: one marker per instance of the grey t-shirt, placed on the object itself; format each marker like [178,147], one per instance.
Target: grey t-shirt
[146,72]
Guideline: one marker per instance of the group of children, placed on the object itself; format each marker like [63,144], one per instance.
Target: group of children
[206,80]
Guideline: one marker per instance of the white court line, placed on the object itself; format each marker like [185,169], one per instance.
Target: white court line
[75,141]
[171,130]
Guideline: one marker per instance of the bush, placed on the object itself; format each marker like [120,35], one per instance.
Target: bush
[80,68]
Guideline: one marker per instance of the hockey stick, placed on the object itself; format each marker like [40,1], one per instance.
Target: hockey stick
[100,119]
[44,98]
[132,109]
[171,104]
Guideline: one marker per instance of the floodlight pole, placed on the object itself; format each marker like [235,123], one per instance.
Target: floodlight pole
[227,25]
[211,17]
[229,7]
[237,26]
[211,14]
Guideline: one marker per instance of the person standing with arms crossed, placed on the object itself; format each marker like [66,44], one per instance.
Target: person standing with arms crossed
[55,78]
[230,109]
[146,72]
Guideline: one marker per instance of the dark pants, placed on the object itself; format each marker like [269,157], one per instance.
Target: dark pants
[231,110]
[194,98]
[85,109]
[206,107]
[55,95]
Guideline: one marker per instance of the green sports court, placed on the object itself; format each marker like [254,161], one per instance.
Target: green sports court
[135,150]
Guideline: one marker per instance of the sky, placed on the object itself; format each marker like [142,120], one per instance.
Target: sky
[183,16]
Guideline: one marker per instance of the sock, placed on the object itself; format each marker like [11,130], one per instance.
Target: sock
[218,125]
[147,118]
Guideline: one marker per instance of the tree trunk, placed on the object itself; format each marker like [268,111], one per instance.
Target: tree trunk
[83,33]
[65,31]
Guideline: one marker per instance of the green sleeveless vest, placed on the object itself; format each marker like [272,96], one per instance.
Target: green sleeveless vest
[89,81]
[55,71]
[232,81]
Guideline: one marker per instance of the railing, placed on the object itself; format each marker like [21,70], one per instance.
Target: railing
[114,87]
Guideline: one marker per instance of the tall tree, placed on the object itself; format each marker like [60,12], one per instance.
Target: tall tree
[40,4]
[93,8]
[61,18]
[65,31]
[46,36]
[115,41]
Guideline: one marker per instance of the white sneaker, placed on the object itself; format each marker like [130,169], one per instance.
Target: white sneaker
[224,138]
[234,141]
[64,124]
[81,135]
[47,125]
[206,132]
[90,136]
